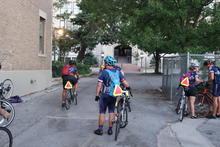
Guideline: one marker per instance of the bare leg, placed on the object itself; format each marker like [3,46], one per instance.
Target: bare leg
[215,105]
[218,110]
[111,117]
[76,87]
[192,105]
[64,95]
[4,113]
[101,119]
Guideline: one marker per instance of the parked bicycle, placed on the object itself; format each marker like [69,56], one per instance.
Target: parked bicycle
[6,138]
[6,90]
[70,97]
[182,105]
[121,117]
[205,99]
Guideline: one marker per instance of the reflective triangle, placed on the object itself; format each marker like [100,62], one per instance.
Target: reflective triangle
[68,85]
[185,82]
[117,91]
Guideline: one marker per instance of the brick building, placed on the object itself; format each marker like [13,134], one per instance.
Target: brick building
[25,44]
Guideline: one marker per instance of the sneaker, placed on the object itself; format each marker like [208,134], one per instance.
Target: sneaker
[98,132]
[110,132]
[211,117]
[63,105]
[194,117]
[218,115]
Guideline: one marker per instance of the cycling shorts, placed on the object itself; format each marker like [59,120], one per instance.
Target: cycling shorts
[216,90]
[191,91]
[73,80]
[105,102]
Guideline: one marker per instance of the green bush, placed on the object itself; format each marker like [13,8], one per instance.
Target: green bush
[56,68]
[90,59]
[83,68]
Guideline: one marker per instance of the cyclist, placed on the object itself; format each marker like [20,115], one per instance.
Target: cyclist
[191,90]
[214,78]
[69,73]
[109,76]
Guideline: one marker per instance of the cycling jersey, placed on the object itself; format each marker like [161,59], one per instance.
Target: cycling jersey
[216,72]
[192,79]
[69,70]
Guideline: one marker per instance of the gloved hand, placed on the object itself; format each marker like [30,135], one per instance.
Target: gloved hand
[128,88]
[97,98]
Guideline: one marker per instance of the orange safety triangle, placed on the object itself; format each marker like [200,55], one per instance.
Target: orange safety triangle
[185,82]
[68,85]
[117,91]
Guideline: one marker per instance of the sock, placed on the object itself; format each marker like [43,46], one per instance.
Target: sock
[110,128]
[100,127]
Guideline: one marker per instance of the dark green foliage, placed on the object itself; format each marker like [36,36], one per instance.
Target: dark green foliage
[90,59]
[56,68]
[83,68]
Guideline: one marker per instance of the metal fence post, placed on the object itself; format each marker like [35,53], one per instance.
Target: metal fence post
[187,63]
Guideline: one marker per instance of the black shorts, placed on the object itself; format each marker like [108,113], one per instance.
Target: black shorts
[191,91]
[216,90]
[73,80]
[105,102]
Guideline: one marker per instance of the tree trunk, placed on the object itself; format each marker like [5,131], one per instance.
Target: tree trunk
[81,54]
[157,62]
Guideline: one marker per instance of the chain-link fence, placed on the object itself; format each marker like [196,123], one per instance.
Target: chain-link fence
[175,66]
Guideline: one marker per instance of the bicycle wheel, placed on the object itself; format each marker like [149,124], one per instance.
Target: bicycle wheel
[128,105]
[6,139]
[117,123]
[181,112]
[124,118]
[10,109]
[7,88]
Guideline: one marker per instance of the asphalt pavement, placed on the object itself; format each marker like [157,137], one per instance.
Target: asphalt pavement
[40,121]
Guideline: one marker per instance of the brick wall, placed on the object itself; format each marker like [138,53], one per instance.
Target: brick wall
[19,35]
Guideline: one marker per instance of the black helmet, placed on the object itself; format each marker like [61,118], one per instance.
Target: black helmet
[71,62]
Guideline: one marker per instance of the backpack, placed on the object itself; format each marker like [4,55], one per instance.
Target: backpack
[113,89]
[65,70]
[184,80]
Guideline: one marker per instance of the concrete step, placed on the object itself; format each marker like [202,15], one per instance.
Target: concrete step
[129,67]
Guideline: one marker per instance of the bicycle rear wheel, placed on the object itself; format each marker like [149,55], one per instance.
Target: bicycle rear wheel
[124,118]
[7,88]
[6,138]
[118,123]
[181,111]
[10,109]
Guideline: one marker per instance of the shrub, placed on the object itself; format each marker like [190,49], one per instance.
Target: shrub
[90,59]
[83,68]
[56,68]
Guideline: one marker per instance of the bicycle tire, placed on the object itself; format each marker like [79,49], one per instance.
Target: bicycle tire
[181,115]
[117,125]
[7,106]
[128,105]
[9,134]
[8,88]
[124,113]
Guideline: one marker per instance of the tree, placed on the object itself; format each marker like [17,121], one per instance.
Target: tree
[155,26]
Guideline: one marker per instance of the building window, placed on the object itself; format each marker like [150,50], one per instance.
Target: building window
[42,36]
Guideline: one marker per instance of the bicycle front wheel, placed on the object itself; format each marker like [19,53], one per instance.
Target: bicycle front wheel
[8,107]
[6,139]
[181,112]
[118,122]
[124,118]
[7,88]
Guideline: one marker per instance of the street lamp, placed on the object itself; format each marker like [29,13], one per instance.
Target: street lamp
[142,56]
[102,57]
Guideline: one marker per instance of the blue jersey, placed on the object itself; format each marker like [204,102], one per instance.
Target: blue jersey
[192,79]
[73,70]
[216,72]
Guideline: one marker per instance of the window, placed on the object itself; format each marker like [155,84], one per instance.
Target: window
[42,36]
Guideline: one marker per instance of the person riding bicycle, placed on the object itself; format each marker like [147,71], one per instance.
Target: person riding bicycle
[191,90]
[69,74]
[214,78]
[109,79]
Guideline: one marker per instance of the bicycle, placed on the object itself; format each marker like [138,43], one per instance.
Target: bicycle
[6,138]
[121,117]
[205,100]
[71,97]
[182,107]
[6,89]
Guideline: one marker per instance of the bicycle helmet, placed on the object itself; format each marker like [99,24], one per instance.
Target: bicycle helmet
[110,61]
[194,64]
[208,62]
